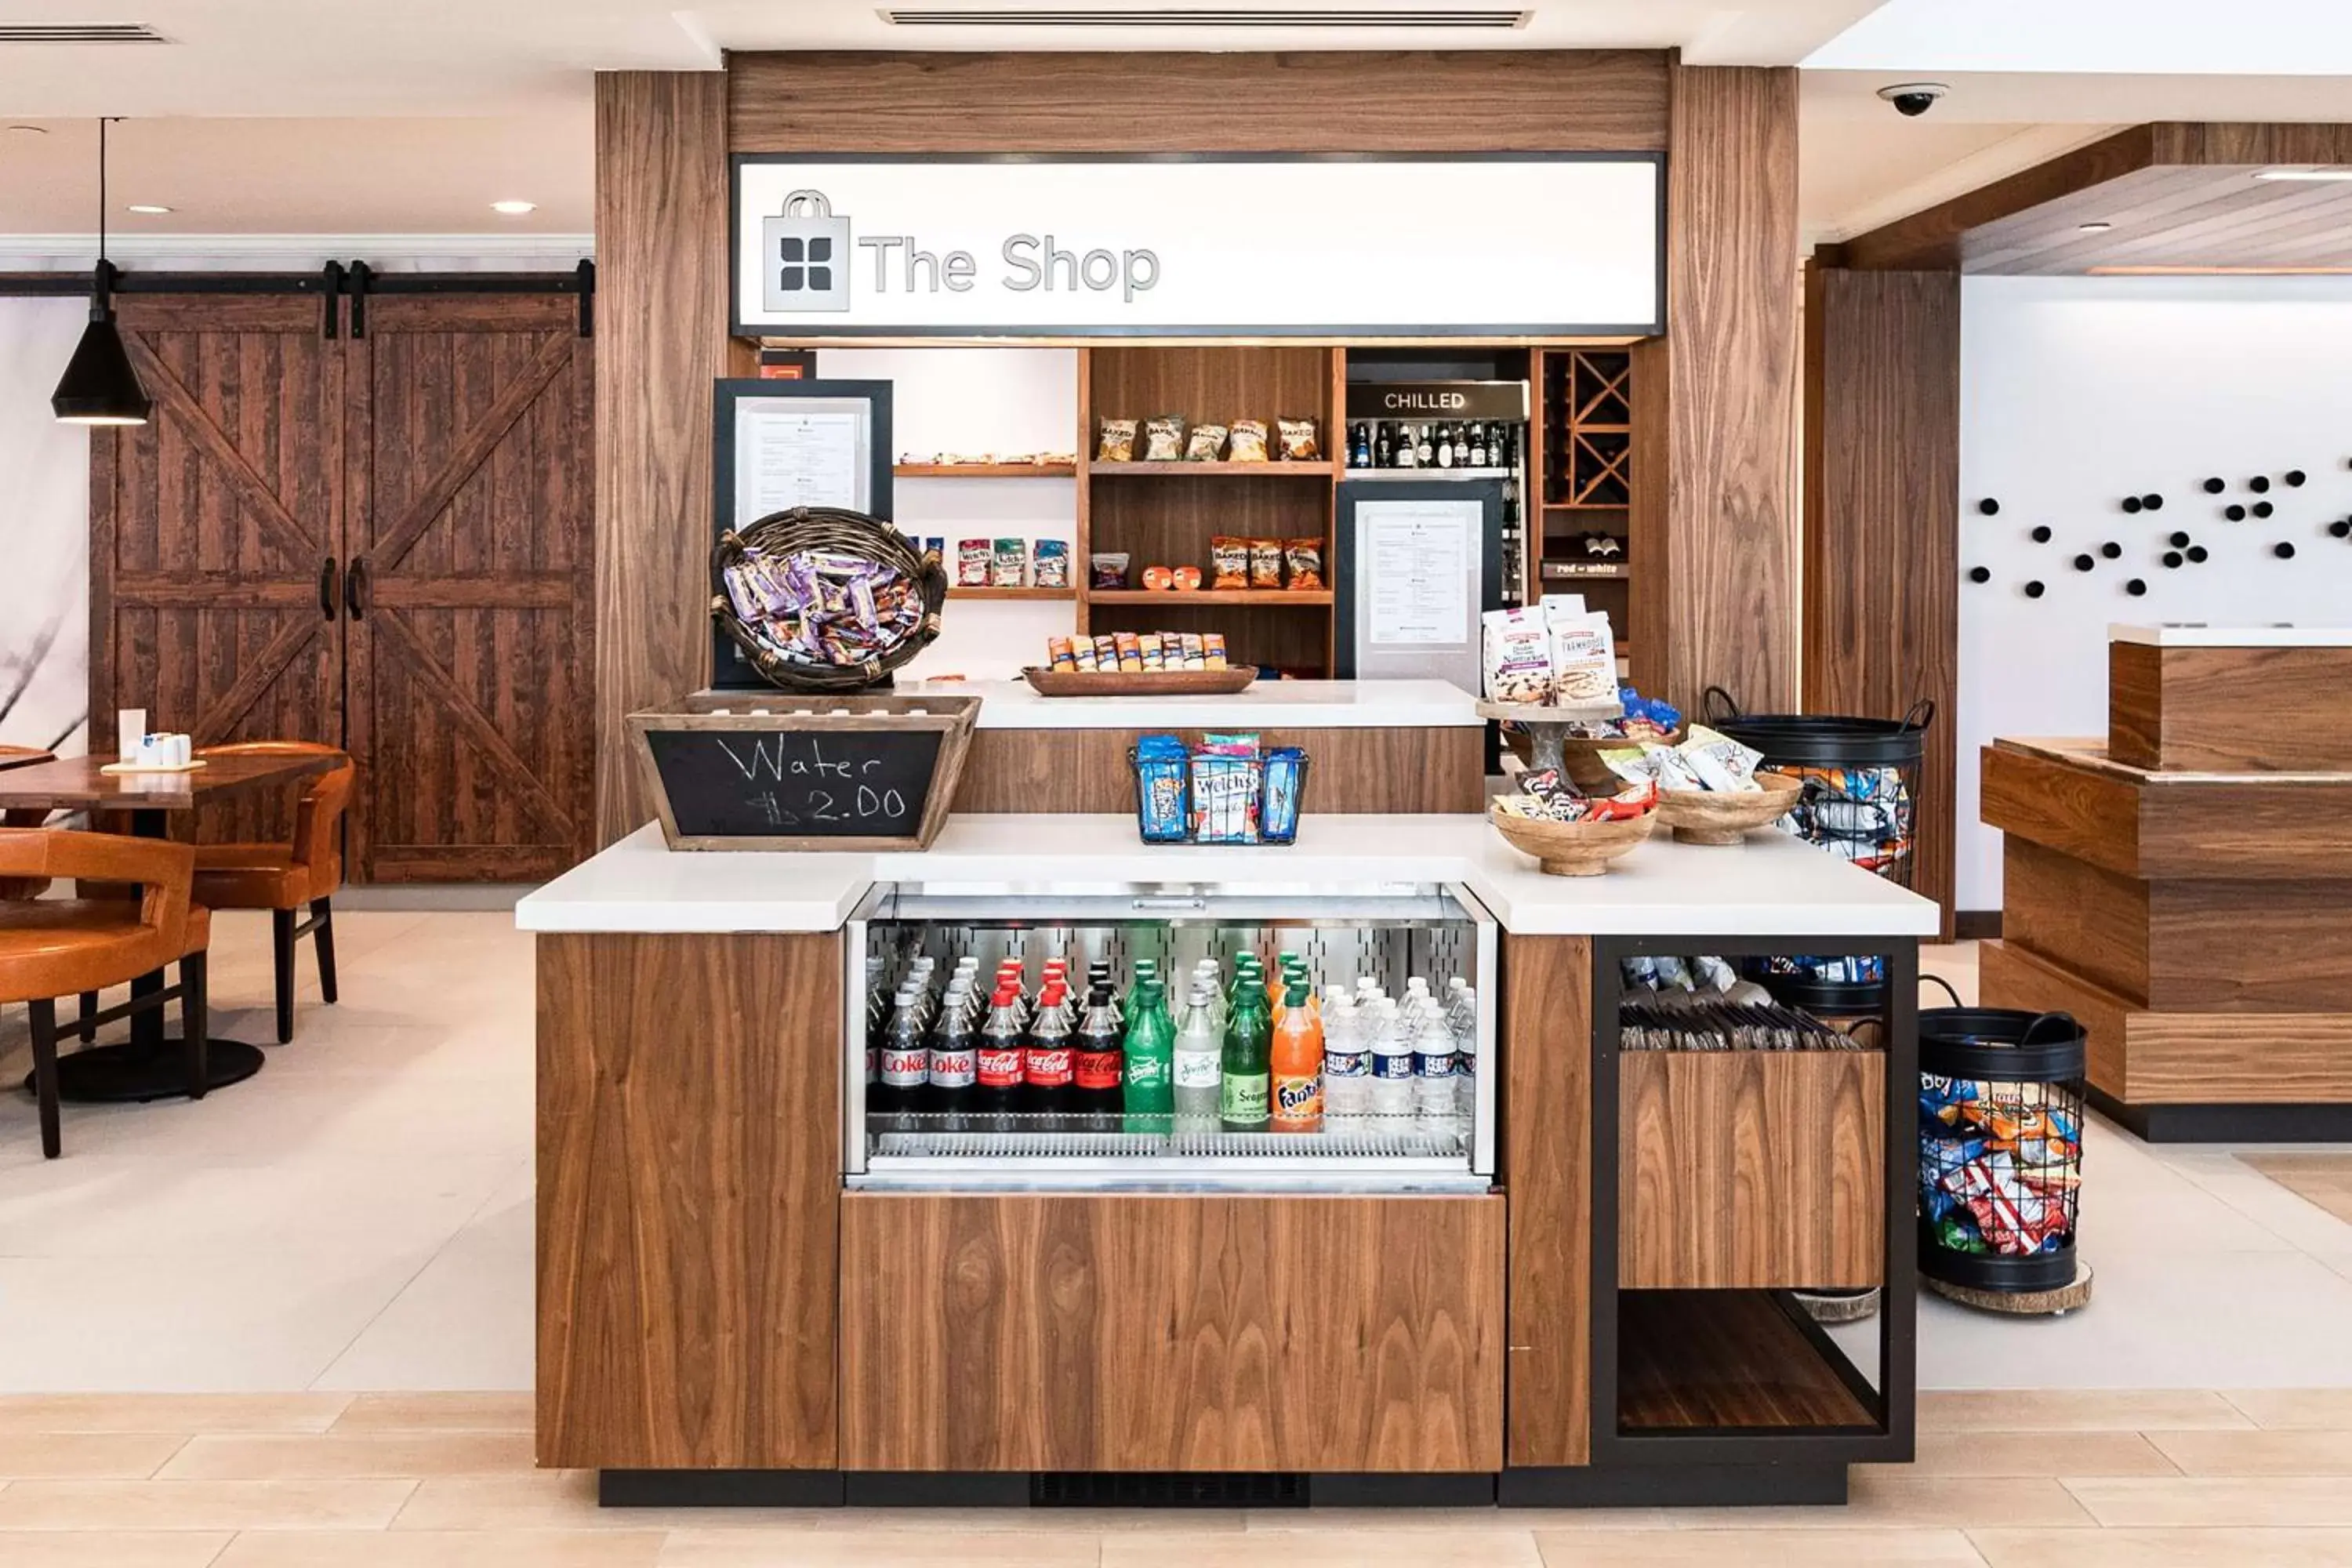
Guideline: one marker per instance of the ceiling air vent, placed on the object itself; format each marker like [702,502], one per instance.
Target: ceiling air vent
[79,33]
[1211,17]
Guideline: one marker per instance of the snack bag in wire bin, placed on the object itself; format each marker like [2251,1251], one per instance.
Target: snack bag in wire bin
[1862,814]
[1228,798]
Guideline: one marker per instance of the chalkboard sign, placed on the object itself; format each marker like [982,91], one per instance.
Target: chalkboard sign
[844,773]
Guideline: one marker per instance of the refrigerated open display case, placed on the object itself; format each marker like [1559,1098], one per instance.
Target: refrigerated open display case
[1438,932]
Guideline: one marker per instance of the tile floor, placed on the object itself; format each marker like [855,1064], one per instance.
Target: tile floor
[293,1253]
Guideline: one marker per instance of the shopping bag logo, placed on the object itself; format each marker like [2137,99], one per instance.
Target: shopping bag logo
[807,256]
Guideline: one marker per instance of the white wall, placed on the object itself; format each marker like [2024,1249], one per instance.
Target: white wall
[44,533]
[2077,391]
[971,401]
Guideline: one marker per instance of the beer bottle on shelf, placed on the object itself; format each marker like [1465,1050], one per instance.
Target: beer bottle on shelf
[1384,447]
[955,1061]
[998,1063]
[1246,1085]
[1408,455]
[1199,1062]
[1098,1067]
[1478,445]
[1150,1095]
[1047,1077]
[1295,1061]
[1424,449]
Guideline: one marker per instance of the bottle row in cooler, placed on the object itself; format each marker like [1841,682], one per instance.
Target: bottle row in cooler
[1238,1051]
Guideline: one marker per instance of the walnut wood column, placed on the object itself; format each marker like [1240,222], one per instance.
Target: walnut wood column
[661,324]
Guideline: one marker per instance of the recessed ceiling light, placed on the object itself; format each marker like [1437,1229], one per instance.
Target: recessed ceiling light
[2094,227]
[150,208]
[2303,174]
[514,209]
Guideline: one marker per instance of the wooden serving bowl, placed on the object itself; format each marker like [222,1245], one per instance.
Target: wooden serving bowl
[1572,849]
[1700,816]
[1579,758]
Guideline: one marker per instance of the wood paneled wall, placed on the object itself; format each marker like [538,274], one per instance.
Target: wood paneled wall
[1730,518]
[661,321]
[1882,520]
[1473,101]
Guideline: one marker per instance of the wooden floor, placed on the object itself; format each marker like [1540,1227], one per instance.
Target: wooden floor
[2325,1180]
[321,1481]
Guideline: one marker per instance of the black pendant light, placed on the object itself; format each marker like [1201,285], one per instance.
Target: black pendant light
[100,387]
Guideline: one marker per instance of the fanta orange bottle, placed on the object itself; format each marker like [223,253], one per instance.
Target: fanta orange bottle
[1298,1066]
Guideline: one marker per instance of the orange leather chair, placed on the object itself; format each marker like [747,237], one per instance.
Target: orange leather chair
[20,887]
[57,947]
[284,878]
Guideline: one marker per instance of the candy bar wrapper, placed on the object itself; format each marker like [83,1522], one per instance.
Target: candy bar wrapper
[1720,763]
[1212,650]
[1623,807]
[1227,745]
[1548,784]
[1009,566]
[1130,652]
[1052,563]
[974,557]
[1674,769]
[1583,658]
[1060,654]
[1189,646]
[1517,649]
[1155,657]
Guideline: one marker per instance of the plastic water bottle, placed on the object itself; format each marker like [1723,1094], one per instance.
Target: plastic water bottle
[1464,1023]
[1432,1069]
[1347,1068]
[1391,1057]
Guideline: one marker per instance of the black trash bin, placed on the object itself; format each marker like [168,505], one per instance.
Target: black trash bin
[2000,1147]
[1861,781]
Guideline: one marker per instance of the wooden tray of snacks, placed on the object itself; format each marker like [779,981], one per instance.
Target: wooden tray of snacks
[1572,849]
[1707,816]
[1138,683]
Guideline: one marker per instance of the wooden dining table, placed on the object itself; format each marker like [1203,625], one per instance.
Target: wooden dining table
[148,1067]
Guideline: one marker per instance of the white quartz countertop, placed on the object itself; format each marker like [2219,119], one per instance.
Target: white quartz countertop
[1268,704]
[1768,885]
[2233,637]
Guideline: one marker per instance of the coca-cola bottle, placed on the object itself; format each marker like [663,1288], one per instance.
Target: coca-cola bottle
[1101,1066]
[955,1063]
[998,1063]
[1047,1071]
[905,1061]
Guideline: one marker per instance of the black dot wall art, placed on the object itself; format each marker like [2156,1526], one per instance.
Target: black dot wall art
[1979,573]
[2259,484]
[2152,502]
[2042,534]
[2136,587]
[2234,513]
[2294,479]
[2215,487]
[2282,550]
[2341,528]
[1990,507]
[2112,550]
[2133,503]
[2084,563]
[2197,555]
[2263,509]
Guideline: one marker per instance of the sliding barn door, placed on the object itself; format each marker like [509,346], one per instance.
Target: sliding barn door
[213,528]
[471,588]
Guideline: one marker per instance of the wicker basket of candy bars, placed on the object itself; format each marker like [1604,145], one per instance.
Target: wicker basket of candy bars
[823,599]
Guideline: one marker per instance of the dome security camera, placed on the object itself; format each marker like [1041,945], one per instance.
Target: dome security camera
[1913,99]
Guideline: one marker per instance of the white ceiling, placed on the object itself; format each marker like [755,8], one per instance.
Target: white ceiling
[409,117]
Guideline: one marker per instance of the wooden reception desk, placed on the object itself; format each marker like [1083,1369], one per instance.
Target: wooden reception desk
[2180,886]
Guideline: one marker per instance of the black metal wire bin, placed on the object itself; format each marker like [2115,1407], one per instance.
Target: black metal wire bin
[2000,1147]
[1862,780]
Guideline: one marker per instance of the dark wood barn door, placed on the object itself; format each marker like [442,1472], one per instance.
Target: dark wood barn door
[212,531]
[471,588]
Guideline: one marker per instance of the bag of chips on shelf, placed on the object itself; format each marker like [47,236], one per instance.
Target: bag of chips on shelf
[1229,561]
[1204,444]
[1052,563]
[1009,568]
[1109,569]
[1246,444]
[1117,442]
[1304,557]
[1265,563]
[972,559]
[1163,439]
[1297,438]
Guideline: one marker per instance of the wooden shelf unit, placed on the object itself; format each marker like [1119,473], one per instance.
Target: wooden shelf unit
[1015,595]
[982,470]
[1165,514]
[1728,1360]
[1588,442]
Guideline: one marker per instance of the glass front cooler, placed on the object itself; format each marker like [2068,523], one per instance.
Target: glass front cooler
[1185,1040]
